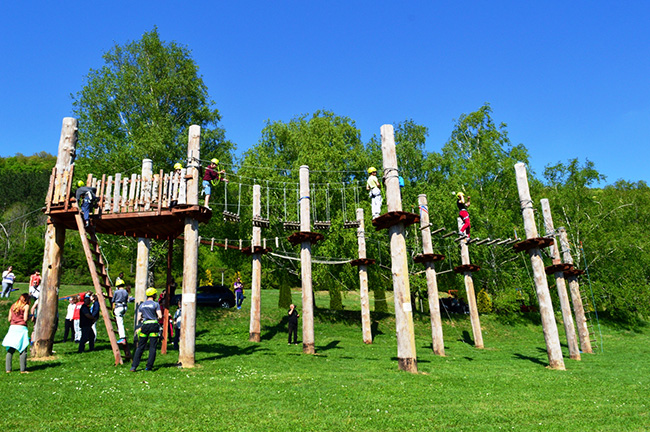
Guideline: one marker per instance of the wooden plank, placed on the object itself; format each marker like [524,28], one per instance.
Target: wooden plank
[68,189]
[182,188]
[130,205]
[98,289]
[101,194]
[117,193]
[50,191]
[254,334]
[107,198]
[124,201]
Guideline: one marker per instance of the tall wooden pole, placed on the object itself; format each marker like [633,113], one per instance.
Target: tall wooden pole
[363,280]
[576,297]
[305,266]
[567,318]
[144,247]
[43,335]
[256,282]
[406,355]
[471,293]
[187,341]
[168,297]
[549,325]
[432,279]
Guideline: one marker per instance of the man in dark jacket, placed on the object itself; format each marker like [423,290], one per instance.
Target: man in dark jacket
[293,324]
[86,197]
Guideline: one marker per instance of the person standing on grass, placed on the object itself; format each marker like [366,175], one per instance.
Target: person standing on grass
[69,318]
[17,338]
[293,324]
[239,292]
[94,311]
[8,279]
[149,313]
[177,323]
[86,322]
[120,302]
[76,316]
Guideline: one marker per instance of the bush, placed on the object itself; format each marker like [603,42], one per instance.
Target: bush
[484,302]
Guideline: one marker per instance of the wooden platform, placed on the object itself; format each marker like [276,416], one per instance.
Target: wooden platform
[466,268]
[533,243]
[159,225]
[573,272]
[362,261]
[390,219]
[305,236]
[257,249]
[561,268]
[425,258]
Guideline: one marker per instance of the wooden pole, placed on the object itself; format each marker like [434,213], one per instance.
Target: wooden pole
[256,280]
[432,280]
[144,248]
[471,293]
[187,341]
[576,297]
[549,325]
[305,266]
[363,280]
[406,356]
[43,334]
[567,318]
[167,299]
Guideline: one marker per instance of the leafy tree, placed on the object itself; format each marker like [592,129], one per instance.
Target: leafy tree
[140,105]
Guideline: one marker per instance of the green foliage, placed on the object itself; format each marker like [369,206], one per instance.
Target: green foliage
[284,297]
[140,104]
[483,302]
[336,302]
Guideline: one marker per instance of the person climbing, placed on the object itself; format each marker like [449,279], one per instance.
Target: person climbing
[462,203]
[373,185]
[86,200]
[213,175]
[148,313]
[177,168]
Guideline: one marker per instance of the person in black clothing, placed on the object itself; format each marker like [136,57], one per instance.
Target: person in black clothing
[86,199]
[86,321]
[293,324]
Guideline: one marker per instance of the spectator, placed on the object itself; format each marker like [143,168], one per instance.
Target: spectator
[69,318]
[177,323]
[86,322]
[17,338]
[120,305]
[8,279]
[239,292]
[293,324]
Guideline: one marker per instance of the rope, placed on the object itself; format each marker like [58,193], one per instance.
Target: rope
[239,200]
[314,261]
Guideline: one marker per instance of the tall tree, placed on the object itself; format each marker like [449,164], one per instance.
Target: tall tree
[140,104]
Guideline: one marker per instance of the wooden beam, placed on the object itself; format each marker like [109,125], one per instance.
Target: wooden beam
[363,280]
[256,278]
[305,265]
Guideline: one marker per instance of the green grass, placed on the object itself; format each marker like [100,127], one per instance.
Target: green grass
[347,386]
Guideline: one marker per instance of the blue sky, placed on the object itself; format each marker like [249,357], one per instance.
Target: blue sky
[571,79]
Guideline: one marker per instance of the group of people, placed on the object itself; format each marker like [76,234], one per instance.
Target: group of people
[373,186]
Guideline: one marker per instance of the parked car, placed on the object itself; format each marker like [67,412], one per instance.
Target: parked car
[212,295]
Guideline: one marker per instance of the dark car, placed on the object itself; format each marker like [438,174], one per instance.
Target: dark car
[212,295]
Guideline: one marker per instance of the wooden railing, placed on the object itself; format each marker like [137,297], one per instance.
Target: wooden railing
[121,193]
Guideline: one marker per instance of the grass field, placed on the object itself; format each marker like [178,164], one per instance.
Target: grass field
[347,386]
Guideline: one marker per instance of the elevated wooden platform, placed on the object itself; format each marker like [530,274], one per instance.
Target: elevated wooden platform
[471,268]
[157,224]
[425,258]
[558,268]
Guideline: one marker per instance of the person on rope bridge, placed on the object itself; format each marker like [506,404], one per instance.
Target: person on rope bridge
[462,202]
[86,200]
[149,313]
[373,185]
[212,176]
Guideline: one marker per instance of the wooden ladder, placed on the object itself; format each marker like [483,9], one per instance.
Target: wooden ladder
[97,269]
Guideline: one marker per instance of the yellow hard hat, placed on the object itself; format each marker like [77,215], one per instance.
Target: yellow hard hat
[372,170]
[81,183]
[460,195]
[178,166]
[215,161]
[151,292]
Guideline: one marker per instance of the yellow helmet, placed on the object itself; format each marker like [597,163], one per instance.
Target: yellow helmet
[372,170]
[460,195]
[178,166]
[215,161]
[81,183]
[151,292]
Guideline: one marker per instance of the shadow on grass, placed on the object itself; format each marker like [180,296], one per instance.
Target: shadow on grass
[374,330]
[529,358]
[270,331]
[223,351]
[329,346]
[465,337]
[35,366]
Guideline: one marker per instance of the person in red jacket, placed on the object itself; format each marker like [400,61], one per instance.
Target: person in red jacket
[212,176]
[463,203]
